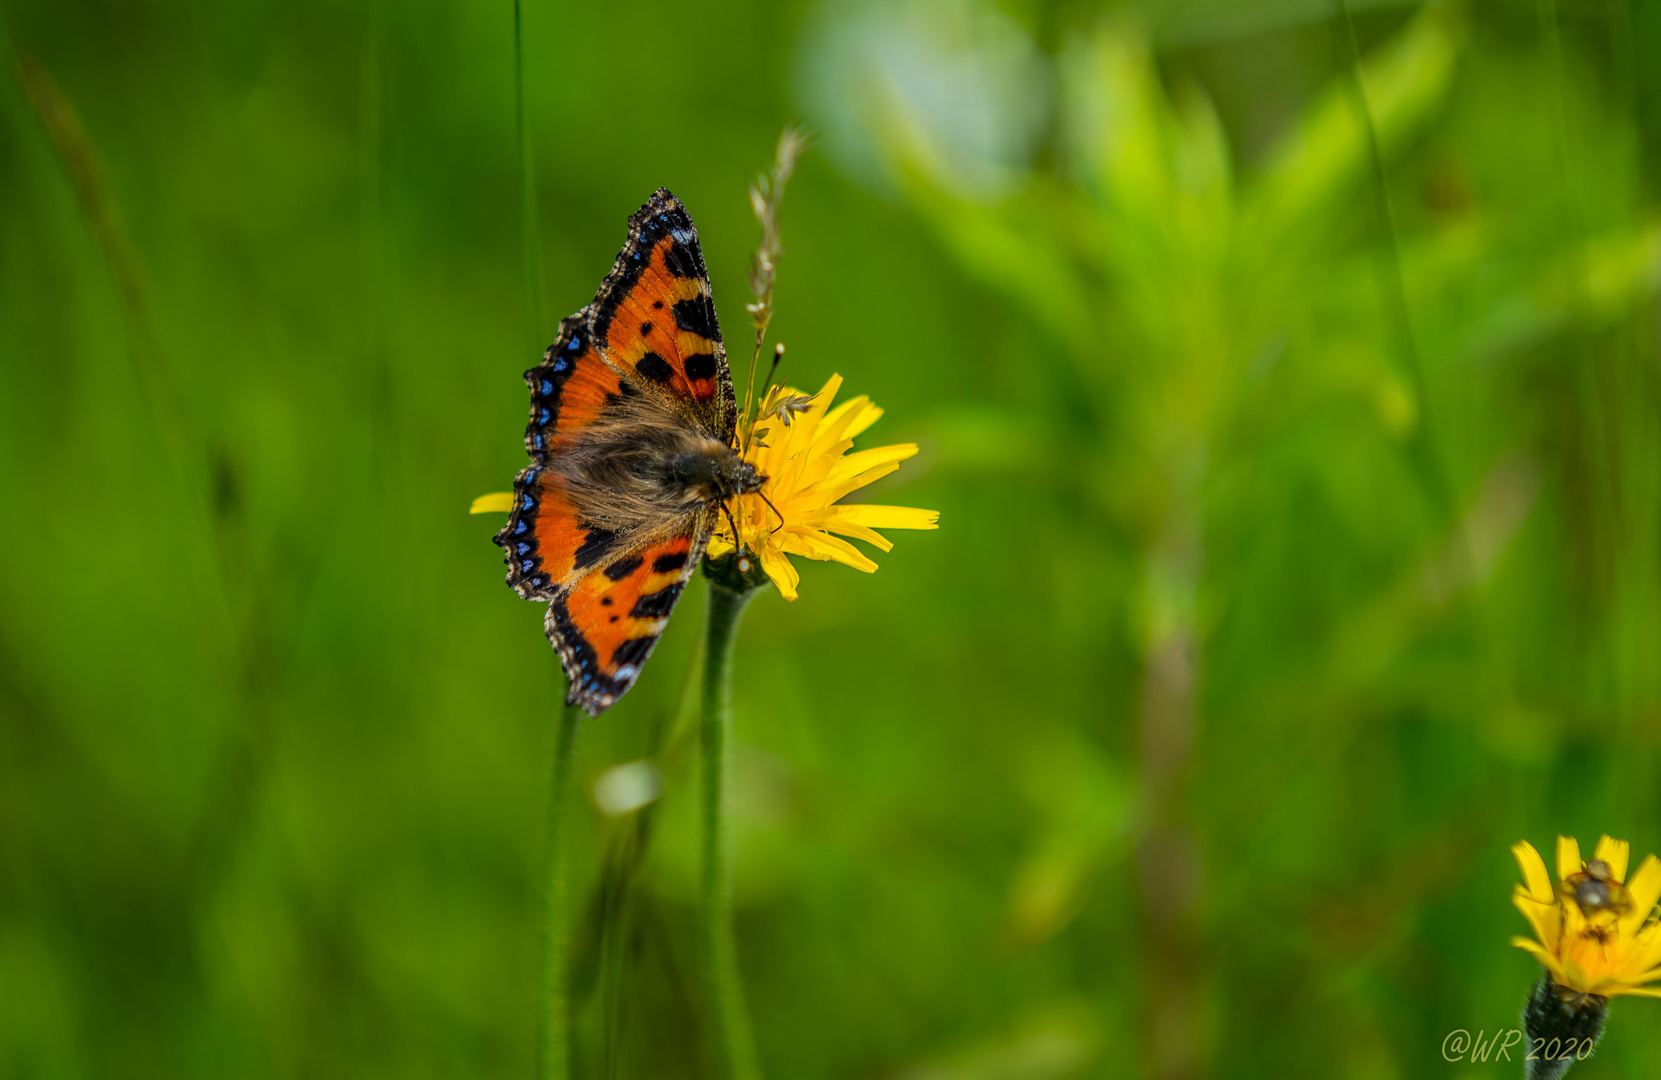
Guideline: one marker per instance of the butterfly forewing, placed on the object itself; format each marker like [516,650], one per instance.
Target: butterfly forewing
[548,545]
[654,316]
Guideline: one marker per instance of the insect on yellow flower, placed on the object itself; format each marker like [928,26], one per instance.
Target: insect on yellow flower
[1597,931]
[800,444]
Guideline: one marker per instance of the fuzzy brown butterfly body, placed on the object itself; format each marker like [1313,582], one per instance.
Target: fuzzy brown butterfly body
[631,437]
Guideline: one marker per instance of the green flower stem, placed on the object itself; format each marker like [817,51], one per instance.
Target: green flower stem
[733,579]
[556,943]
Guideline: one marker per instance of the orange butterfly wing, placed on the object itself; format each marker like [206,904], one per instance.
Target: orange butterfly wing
[605,626]
[547,544]
[654,316]
[651,329]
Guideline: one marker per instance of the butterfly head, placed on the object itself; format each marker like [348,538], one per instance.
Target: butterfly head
[745,478]
[714,473]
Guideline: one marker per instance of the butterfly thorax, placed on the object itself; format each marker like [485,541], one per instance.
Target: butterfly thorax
[643,473]
[713,472]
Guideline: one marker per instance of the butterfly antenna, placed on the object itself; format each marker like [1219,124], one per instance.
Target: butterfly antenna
[749,429]
[766,194]
[773,508]
[778,355]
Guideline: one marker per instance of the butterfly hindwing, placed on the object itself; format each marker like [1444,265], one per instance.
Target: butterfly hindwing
[605,624]
[547,543]
[654,316]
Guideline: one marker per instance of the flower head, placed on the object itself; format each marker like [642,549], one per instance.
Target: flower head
[798,443]
[1598,930]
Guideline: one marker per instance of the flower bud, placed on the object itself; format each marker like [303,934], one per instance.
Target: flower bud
[1563,1026]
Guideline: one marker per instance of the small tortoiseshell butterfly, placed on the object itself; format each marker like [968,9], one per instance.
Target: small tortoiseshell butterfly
[631,438]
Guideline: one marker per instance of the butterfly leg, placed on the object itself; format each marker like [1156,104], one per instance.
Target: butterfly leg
[773,508]
[727,510]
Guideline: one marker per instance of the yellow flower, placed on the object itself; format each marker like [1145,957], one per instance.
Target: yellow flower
[798,443]
[1598,931]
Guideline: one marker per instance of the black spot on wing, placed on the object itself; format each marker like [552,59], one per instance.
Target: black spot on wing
[646,327]
[664,564]
[698,316]
[596,542]
[700,366]
[622,568]
[625,389]
[634,651]
[654,367]
[657,605]
[590,686]
[683,259]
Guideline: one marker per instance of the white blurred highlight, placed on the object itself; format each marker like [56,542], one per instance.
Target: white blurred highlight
[623,789]
[954,87]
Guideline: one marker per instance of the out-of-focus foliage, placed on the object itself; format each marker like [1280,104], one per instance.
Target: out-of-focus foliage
[1295,431]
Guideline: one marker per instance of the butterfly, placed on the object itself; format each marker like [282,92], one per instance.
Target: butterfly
[633,418]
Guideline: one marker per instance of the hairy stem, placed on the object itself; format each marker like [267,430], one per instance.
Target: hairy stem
[734,1039]
[556,933]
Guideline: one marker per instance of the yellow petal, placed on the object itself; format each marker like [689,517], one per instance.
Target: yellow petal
[1644,952]
[785,469]
[859,532]
[1574,921]
[797,540]
[719,545]
[854,464]
[821,402]
[1615,853]
[497,502]
[867,416]
[838,420]
[1568,857]
[873,516]
[1534,871]
[1549,961]
[778,567]
[833,489]
[1640,991]
[821,460]
[824,548]
[1645,888]
[1542,917]
[1573,975]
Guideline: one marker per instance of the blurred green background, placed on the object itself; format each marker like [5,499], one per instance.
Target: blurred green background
[1295,427]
